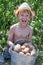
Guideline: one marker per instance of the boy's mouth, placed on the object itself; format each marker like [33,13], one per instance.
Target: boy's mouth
[23,20]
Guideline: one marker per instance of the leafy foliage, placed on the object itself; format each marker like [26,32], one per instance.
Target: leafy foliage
[7,18]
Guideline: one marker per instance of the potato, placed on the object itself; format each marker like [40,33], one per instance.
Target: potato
[33,52]
[28,54]
[21,53]
[26,44]
[23,47]
[31,46]
[17,48]
[25,50]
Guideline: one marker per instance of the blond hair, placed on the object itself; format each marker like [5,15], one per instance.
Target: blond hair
[24,7]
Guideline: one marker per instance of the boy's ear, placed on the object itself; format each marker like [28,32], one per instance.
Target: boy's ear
[33,14]
[16,11]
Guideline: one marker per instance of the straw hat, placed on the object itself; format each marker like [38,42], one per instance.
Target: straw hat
[21,7]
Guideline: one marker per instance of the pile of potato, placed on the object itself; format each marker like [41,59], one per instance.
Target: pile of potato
[25,49]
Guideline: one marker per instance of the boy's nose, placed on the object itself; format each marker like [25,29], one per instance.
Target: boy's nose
[24,17]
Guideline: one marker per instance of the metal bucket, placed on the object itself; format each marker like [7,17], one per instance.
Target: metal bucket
[19,59]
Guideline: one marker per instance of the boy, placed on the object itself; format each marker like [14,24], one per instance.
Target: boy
[21,31]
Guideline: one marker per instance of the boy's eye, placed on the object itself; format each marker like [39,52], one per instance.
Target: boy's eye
[22,15]
[26,15]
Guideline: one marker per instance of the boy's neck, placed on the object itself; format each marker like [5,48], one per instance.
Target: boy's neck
[22,26]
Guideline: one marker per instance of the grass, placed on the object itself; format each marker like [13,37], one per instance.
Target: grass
[39,60]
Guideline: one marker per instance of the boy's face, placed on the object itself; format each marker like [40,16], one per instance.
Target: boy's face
[24,17]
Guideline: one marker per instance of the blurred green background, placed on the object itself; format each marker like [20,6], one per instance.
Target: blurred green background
[7,18]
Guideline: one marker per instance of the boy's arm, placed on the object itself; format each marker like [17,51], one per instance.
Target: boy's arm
[30,36]
[10,37]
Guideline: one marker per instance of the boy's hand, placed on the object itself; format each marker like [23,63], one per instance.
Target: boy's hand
[11,44]
[17,48]
[28,44]
[11,49]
